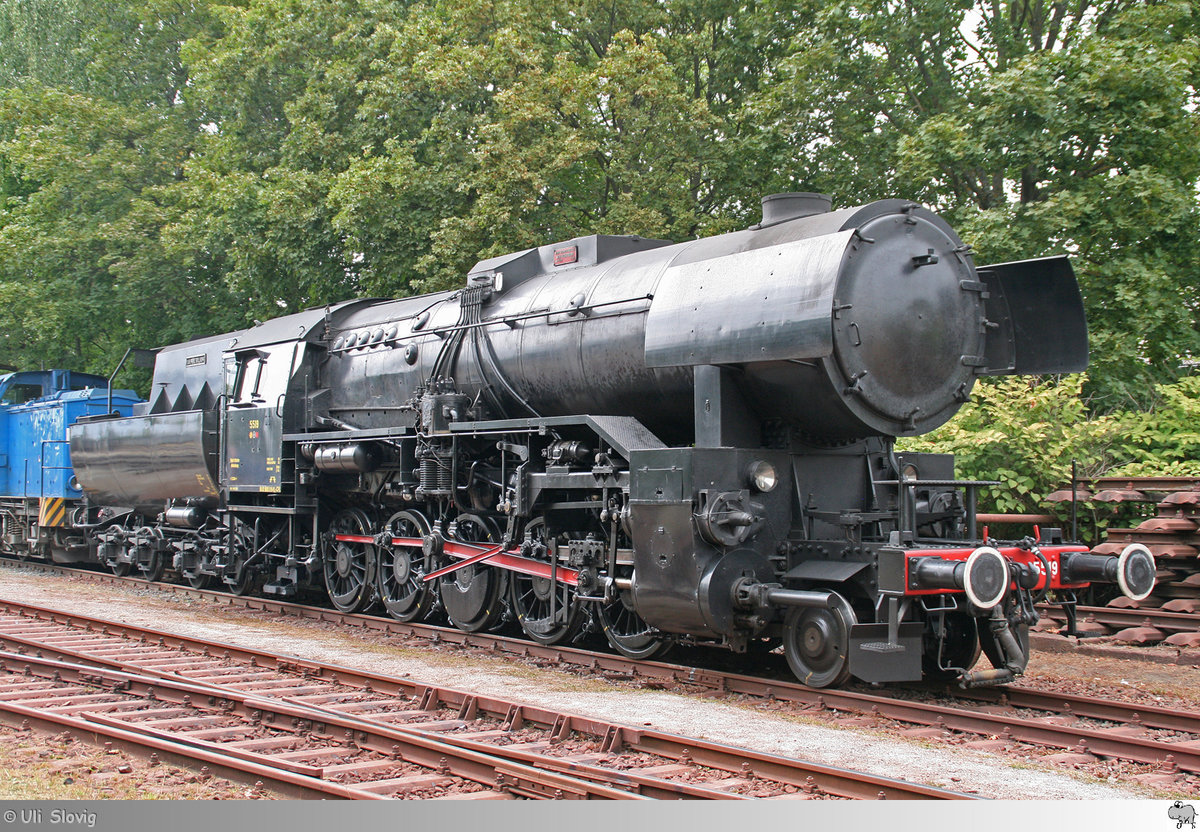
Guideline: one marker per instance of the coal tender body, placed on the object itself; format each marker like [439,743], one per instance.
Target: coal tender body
[662,442]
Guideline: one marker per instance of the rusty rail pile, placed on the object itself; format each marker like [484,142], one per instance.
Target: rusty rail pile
[1172,534]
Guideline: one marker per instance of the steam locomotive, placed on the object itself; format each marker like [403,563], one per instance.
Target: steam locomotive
[661,442]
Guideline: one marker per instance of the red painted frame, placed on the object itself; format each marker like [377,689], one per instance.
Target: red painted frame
[471,553]
[1053,555]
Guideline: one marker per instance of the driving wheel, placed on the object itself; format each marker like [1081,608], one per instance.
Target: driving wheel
[349,565]
[628,633]
[401,568]
[472,595]
[546,608]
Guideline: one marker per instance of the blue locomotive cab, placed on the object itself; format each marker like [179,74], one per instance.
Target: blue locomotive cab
[38,489]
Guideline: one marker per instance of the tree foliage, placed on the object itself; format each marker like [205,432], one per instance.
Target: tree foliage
[170,169]
[95,135]
[1039,128]
[1031,435]
[1026,434]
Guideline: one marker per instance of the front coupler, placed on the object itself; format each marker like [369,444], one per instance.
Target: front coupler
[1004,649]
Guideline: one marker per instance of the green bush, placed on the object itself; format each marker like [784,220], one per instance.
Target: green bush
[1164,441]
[1026,433]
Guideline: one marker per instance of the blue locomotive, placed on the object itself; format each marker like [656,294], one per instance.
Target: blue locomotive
[41,510]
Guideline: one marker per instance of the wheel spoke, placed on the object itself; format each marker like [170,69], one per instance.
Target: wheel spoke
[405,596]
[547,610]
[628,633]
[348,566]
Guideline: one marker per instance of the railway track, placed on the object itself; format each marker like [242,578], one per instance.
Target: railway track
[1084,727]
[293,748]
[534,752]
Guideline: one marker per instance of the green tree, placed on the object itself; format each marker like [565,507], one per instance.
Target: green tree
[1090,149]
[44,41]
[94,130]
[1027,433]
[522,123]
[1039,128]
[617,147]
[282,88]
[254,157]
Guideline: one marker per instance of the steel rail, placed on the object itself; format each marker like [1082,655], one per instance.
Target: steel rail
[1097,741]
[456,760]
[804,774]
[188,756]
[1088,707]
[614,665]
[627,781]
[644,786]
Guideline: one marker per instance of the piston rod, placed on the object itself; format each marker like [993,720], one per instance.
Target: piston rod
[778,596]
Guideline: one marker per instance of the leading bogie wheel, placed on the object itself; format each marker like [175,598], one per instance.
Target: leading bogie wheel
[950,645]
[816,641]
[405,595]
[349,565]
[473,595]
[547,608]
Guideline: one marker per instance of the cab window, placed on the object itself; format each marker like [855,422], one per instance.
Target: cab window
[262,377]
[250,372]
[21,393]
